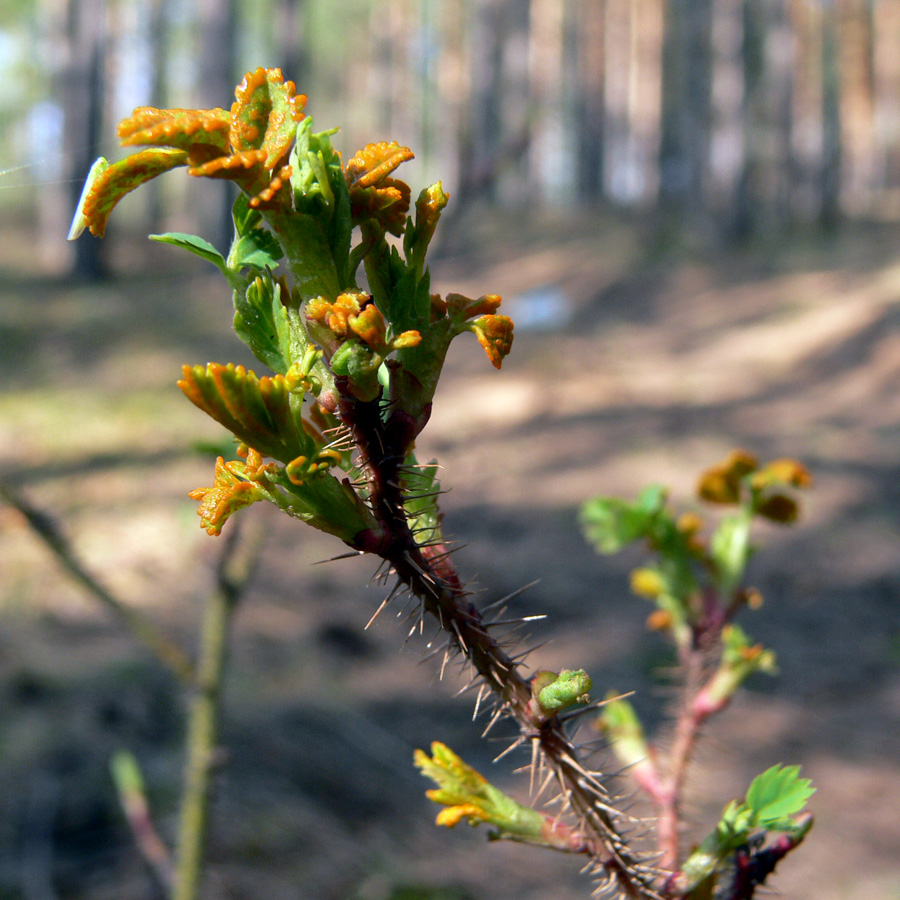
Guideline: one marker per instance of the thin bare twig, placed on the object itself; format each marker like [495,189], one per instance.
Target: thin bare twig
[147,633]
[236,566]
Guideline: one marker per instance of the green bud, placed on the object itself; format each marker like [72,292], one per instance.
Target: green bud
[570,686]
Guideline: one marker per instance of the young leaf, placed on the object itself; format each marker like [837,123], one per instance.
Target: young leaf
[258,249]
[730,548]
[244,216]
[778,793]
[193,244]
[255,313]
[611,524]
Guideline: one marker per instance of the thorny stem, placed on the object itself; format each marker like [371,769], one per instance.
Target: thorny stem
[434,581]
[47,529]
[235,569]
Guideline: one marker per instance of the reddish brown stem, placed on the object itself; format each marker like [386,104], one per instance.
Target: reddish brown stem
[687,727]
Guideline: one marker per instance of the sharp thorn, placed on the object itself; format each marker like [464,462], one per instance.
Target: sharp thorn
[535,759]
[378,612]
[513,746]
[498,712]
[544,785]
[352,554]
[519,621]
[459,637]
[510,597]
[481,692]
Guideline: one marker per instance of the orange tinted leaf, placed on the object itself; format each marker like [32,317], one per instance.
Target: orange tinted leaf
[371,165]
[783,471]
[451,816]
[236,485]
[461,307]
[387,204]
[265,114]
[114,182]
[373,195]
[719,485]
[202,132]
[370,326]
[258,411]
[495,334]
[233,167]
[740,463]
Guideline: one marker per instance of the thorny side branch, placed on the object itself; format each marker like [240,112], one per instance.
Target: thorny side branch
[431,577]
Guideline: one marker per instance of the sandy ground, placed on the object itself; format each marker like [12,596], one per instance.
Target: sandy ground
[628,367]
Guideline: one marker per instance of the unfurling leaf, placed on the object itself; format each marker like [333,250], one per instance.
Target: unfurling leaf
[261,412]
[466,794]
[265,115]
[740,659]
[202,133]
[774,803]
[373,195]
[237,484]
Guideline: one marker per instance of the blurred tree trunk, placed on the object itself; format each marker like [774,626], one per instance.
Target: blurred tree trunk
[83,91]
[547,139]
[617,30]
[726,138]
[216,26]
[763,198]
[807,139]
[481,136]
[831,122]
[156,35]
[686,95]
[886,38]
[645,95]
[289,33]
[452,84]
[590,102]
[856,77]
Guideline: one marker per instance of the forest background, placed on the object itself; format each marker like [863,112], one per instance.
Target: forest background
[691,208]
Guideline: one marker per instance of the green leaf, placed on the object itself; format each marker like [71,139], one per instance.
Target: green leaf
[309,256]
[245,217]
[777,794]
[256,310]
[258,249]
[730,549]
[315,169]
[193,244]
[611,523]
[257,411]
